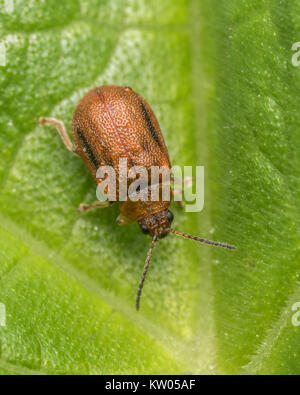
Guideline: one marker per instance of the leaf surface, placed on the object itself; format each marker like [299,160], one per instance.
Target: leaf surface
[219,77]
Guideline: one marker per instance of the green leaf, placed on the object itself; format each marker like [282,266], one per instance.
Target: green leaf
[220,78]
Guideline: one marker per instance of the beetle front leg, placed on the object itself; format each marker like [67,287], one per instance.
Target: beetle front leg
[186,182]
[83,208]
[180,203]
[61,130]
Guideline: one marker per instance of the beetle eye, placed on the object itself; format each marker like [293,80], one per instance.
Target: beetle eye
[170,216]
[144,229]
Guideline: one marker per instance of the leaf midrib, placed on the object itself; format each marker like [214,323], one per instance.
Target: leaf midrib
[201,83]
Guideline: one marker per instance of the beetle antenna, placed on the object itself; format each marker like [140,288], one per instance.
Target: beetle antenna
[213,243]
[138,298]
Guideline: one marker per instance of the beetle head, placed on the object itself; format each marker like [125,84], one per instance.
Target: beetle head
[157,224]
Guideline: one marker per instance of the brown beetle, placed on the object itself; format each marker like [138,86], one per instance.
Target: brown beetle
[113,122]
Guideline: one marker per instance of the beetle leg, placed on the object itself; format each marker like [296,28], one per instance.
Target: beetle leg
[187,181]
[180,203]
[122,220]
[83,208]
[61,130]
